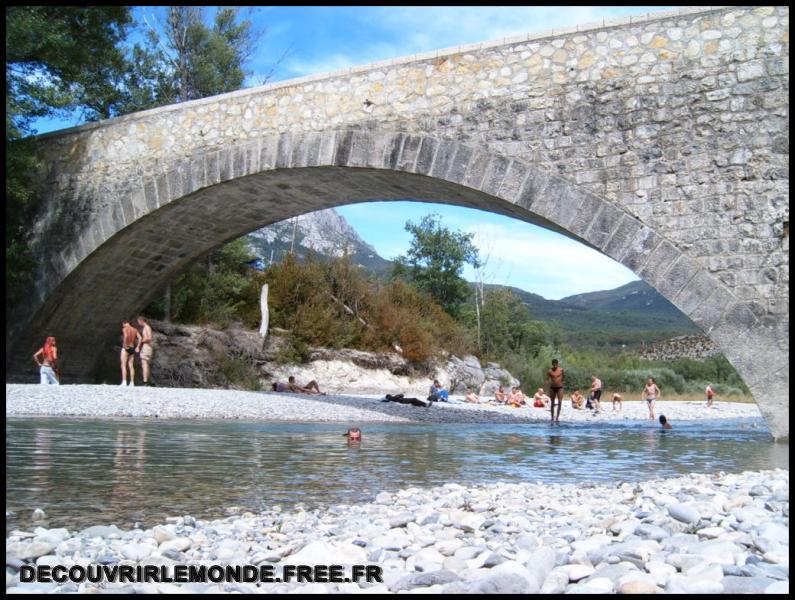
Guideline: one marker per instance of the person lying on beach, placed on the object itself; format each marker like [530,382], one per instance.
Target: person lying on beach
[472,397]
[354,433]
[516,399]
[540,399]
[401,399]
[617,398]
[664,422]
[577,400]
[290,386]
[501,396]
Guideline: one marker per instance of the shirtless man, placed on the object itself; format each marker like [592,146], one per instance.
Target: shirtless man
[651,393]
[555,379]
[516,399]
[145,348]
[472,397]
[501,395]
[596,392]
[130,340]
[710,395]
[291,386]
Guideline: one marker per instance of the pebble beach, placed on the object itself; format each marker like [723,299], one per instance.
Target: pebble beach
[182,403]
[722,533]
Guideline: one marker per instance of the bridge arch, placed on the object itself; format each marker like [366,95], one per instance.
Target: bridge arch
[164,215]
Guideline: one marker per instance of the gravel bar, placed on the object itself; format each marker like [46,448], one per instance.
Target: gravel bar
[182,403]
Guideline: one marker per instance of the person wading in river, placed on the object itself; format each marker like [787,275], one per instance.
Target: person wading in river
[555,379]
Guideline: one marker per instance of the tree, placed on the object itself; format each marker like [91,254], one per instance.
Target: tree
[435,261]
[58,59]
[189,60]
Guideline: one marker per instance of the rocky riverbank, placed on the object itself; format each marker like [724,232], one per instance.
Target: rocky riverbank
[181,403]
[724,533]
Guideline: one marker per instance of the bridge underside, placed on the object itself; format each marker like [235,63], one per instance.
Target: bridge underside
[122,275]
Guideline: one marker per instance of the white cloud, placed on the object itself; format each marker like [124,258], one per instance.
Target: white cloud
[544,262]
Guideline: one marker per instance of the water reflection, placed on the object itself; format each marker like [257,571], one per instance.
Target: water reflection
[84,471]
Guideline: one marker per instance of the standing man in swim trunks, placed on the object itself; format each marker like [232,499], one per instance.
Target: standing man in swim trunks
[651,394]
[130,339]
[555,380]
[710,395]
[145,349]
[596,392]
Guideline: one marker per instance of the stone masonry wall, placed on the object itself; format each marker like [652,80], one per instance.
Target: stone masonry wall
[683,121]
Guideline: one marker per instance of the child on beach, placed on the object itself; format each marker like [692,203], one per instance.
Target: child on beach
[617,398]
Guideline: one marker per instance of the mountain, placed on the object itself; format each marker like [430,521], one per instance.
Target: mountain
[634,314]
[631,315]
[324,232]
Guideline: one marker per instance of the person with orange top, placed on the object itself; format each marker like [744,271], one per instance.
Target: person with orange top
[48,363]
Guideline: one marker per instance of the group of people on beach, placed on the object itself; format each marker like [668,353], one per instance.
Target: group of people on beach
[140,342]
[134,341]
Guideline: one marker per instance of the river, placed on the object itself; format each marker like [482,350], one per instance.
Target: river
[85,472]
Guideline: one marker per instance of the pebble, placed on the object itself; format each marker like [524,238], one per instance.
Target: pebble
[427,540]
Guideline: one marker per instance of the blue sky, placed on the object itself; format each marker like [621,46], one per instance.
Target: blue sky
[298,41]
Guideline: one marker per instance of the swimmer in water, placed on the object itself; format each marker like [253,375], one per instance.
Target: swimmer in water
[664,422]
[354,433]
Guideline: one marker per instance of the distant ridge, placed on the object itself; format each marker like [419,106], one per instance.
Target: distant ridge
[629,316]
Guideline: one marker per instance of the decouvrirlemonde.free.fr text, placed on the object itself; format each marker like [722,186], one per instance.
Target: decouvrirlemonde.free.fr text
[199,574]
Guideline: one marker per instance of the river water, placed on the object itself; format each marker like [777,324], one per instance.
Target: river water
[100,471]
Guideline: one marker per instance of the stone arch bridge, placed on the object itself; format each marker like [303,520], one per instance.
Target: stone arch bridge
[661,141]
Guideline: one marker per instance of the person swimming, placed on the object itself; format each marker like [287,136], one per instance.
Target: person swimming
[354,433]
[664,422]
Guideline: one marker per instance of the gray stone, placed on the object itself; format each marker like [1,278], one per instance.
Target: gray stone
[745,585]
[416,580]
[684,513]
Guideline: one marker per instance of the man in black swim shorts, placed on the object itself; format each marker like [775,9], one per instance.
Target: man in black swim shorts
[555,380]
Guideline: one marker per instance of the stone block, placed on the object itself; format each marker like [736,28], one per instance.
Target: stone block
[605,222]
[267,147]
[681,272]
[513,181]
[213,168]
[377,150]
[327,148]
[494,175]
[459,165]
[533,189]
[659,262]
[476,169]
[625,231]
[585,209]
[639,249]
[300,149]
[408,153]
[284,153]
[393,151]
[150,193]
[444,159]
[359,146]
[426,155]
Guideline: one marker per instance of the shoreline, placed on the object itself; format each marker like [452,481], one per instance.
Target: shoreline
[697,533]
[98,401]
